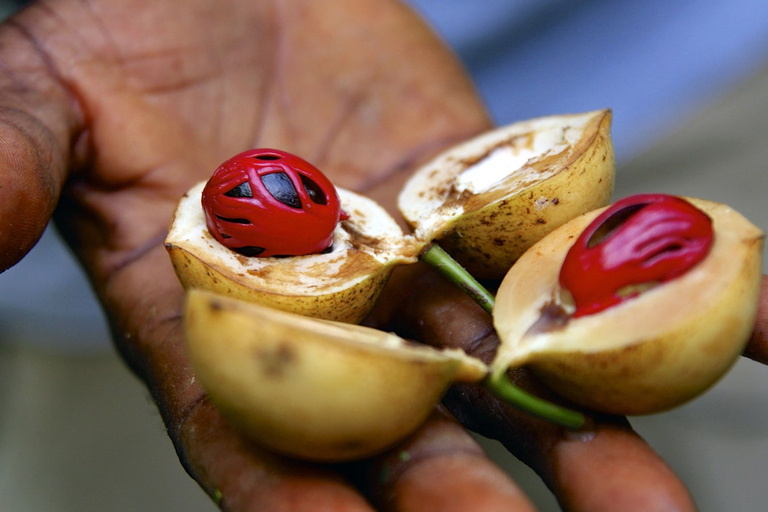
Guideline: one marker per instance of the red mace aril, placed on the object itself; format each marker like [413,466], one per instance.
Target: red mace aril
[266,202]
[638,242]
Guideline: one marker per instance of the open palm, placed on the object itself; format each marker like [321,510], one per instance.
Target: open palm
[111,109]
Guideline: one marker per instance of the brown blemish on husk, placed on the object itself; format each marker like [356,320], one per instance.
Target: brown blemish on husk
[553,316]
[275,361]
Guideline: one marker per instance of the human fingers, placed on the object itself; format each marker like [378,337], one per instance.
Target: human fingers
[757,348]
[594,469]
[441,469]
[605,466]
[241,476]
[39,118]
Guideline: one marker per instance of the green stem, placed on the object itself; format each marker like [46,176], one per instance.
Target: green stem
[444,262]
[499,384]
[504,389]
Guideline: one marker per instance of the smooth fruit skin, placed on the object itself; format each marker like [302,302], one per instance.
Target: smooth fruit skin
[649,353]
[313,389]
[340,285]
[488,231]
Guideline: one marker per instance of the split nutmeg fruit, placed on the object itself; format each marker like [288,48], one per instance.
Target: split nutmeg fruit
[634,309]
[487,200]
[253,205]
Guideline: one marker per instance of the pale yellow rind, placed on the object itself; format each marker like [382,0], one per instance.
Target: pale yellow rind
[310,388]
[536,175]
[340,285]
[652,352]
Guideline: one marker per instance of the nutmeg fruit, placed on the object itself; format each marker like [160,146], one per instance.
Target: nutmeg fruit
[664,345]
[487,200]
[340,284]
[315,389]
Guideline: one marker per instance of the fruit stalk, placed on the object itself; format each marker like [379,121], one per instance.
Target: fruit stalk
[499,384]
[450,268]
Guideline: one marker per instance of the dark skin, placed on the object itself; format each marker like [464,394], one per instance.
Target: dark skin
[111,110]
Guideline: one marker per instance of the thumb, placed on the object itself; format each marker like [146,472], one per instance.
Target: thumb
[38,121]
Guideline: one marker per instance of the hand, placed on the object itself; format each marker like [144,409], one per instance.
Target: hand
[113,108]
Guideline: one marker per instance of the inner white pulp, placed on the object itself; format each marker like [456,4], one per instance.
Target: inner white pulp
[511,158]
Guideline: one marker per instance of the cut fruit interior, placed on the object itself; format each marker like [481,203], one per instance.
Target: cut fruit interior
[340,284]
[312,388]
[488,199]
[649,353]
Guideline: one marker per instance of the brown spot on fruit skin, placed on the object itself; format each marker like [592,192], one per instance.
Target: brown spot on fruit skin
[275,361]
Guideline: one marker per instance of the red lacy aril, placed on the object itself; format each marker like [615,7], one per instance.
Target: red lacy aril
[266,202]
[637,243]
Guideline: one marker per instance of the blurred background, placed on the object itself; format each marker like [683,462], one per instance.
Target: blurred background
[688,84]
